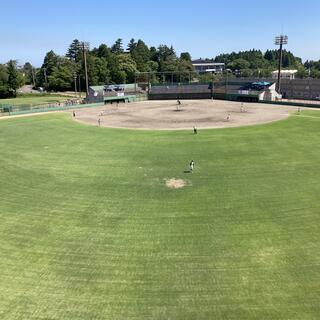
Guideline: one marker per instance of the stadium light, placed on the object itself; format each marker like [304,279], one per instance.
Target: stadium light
[280,41]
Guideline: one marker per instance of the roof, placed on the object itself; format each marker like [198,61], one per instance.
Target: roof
[209,64]
[263,83]
[206,62]
[286,71]
[127,86]
[97,88]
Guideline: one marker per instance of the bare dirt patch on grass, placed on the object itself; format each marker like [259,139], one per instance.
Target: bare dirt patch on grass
[176,183]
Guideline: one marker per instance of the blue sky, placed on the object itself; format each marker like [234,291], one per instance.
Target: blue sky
[204,28]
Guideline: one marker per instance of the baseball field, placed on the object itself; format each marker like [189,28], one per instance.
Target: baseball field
[104,223]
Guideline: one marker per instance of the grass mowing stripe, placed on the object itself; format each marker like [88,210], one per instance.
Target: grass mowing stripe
[89,229]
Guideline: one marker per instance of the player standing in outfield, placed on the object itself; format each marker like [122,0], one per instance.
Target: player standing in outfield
[195,130]
[191,165]
[99,122]
[178,104]
[299,110]
[74,114]
[242,107]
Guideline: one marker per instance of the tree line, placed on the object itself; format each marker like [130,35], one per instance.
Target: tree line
[116,64]
[255,63]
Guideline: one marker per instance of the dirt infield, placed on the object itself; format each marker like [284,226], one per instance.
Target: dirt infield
[166,114]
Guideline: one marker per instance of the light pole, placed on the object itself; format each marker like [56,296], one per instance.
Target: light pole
[211,85]
[280,41]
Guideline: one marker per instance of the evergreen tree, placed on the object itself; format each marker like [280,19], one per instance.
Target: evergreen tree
[50,62]
[74,50]
[117,47]
[29,73]
[62,76]
[185,56]
[4,89]
[103,51]
[15,79]
[131,45]
[141,55]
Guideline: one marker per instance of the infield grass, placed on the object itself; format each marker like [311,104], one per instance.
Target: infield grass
[89,229]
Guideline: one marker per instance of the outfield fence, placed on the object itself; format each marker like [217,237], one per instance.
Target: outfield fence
[17,110]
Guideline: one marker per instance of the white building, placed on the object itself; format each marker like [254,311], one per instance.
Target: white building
[285,74]
[207,66]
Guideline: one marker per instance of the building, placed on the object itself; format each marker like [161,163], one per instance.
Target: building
[110,93]
[285,74]
[202,66]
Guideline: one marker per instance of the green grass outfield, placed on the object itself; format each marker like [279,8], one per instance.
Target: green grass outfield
[90,231]
[33,100]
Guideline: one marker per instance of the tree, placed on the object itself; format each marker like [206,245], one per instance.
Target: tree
[184,67]
[4,89]
[50,61]
[315,73]
[141,55]
[239,64]
[185,56]
[165,53]
[246,72]
[131,45]
[62,76]
[167,58]
[117,47]
[103,51]
[98,71]
[152,66]
[271,56]
[302,73]
[266,73]
[74,50]
[15,79]
[126,67]
[29,73]
[154,54]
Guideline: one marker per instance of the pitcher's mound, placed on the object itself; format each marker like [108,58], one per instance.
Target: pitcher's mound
[175,183]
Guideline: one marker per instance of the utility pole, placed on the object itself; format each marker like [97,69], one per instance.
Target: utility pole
[79,86]
[75,84]
[45,77]
[33,77]
[135,82]
[280,41]
[226,84]
[85,67]
[84,47]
